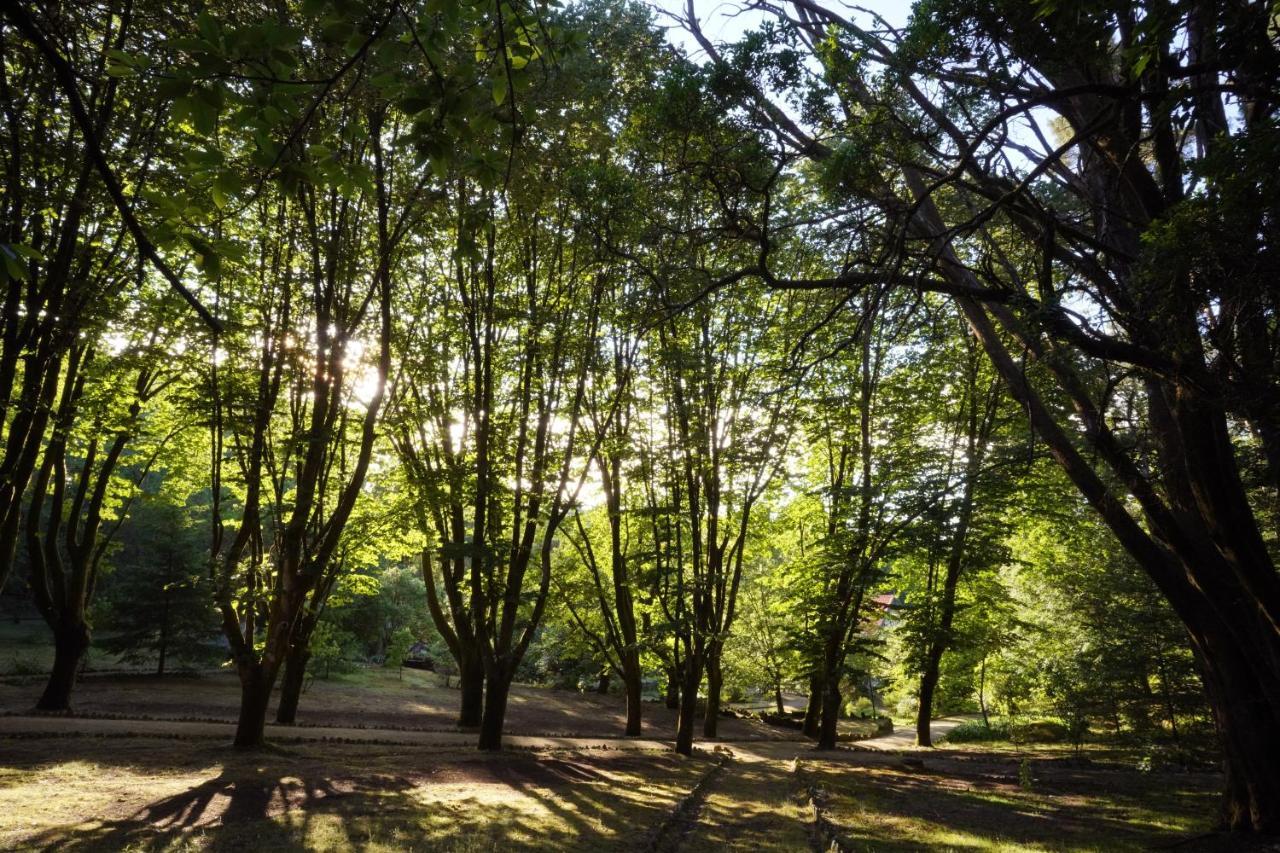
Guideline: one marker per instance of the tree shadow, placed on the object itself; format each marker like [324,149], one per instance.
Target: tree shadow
[974,802]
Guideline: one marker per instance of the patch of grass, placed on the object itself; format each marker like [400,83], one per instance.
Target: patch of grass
[983,806]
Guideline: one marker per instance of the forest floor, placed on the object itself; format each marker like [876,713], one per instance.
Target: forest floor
[350,781]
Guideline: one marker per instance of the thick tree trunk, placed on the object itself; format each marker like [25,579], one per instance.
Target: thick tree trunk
[1249,728]
[777,698]
[688,704]
[715,683]
[295,676]
[70,642]
[255,695]
[634,685]
[471,688]
[602,684]
[829,731]
[495,711]
[813,710]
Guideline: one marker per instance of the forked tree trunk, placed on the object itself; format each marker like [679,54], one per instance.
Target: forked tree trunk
[295,677]
[70,642]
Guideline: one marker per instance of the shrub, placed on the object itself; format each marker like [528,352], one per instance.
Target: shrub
[976,731]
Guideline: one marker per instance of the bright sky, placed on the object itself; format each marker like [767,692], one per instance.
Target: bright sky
[723,21]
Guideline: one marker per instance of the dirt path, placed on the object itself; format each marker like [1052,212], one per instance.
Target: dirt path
[904,738]
[23,725]
[749,750]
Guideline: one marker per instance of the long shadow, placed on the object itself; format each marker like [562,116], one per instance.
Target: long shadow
[1062,808]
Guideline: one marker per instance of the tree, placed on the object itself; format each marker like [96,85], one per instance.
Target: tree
[155,602]
[1104,288]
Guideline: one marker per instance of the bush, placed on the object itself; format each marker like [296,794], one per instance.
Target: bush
[976,731]
[1043,731]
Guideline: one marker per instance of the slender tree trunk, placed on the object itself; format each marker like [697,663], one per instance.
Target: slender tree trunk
[829,731]
[982,692]
[928,684]
[688,704]
[715,683]
[255,695]
[602,684]
[813,710]
[495,710]
[633,683]
[777,698]
[164,627]
[70,642]
[471,688]
[673,688]
[295,676]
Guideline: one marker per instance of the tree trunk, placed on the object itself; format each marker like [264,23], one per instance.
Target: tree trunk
[295,676]
[471,686]
[777,698]
[70,642]
[830,729]
[715,681]
[1249,730]
[813,710]
[673,688]
[928,684]
[633,683]
[255,694]
[495,711]
[982,692]
[602,684]
[688,704]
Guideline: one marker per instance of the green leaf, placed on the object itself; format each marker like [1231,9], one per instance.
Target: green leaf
[499,90]
[11,266]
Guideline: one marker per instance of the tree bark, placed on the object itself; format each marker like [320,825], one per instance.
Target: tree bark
[495,711]
[471,688]
[777,698]
[673,688]
[255,695]
[829,731]
[70,642]
[295,676]
[813,710]
[633,683]
[688,704]
[715,683]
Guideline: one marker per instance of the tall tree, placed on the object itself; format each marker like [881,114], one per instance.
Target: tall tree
[1143,257]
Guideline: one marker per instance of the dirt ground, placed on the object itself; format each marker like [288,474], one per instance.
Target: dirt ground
[148,793]
[376,698]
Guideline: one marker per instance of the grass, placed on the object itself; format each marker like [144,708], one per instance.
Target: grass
[965,804]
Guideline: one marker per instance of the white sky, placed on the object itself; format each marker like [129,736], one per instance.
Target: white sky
[721,21]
